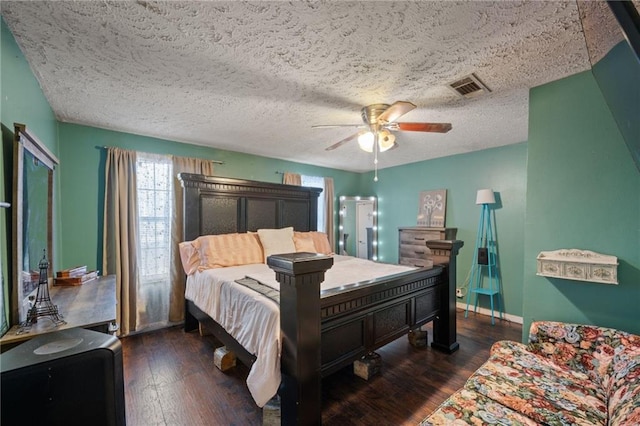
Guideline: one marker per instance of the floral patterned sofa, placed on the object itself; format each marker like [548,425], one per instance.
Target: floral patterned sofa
[568,374]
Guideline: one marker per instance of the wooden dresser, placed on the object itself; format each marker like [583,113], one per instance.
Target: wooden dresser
[412,248]
[91,305]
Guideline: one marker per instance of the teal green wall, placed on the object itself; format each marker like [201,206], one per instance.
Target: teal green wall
[82,180]
[502,169]
[21,101]
[617,75]
[583,191]
[22,98]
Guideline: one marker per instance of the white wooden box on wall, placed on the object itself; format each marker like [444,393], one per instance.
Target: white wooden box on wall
[580,265]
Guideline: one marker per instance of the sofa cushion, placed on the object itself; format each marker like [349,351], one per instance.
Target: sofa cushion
[469,407]
[536,387]
[580,347]
[610,357]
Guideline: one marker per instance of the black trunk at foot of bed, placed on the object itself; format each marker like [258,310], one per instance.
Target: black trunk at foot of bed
[321,333]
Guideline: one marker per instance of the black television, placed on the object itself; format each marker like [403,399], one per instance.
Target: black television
[70,377]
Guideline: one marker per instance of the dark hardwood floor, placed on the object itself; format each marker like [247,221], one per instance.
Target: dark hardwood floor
[170,379]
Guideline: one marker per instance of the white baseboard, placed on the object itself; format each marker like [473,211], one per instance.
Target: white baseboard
[484,311]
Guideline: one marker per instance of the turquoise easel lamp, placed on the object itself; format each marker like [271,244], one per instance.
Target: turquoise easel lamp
[484,256]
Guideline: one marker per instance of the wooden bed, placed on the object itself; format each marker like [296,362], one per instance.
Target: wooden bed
[320,334]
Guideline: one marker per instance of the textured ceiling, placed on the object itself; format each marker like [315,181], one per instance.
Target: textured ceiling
[255,76]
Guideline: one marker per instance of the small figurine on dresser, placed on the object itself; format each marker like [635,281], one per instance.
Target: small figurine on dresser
[42,305]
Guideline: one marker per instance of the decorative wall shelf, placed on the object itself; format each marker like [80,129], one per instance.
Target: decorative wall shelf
[580,265]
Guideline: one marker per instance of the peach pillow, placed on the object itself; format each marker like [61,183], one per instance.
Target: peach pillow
[321,241]
[219,251]
[304,242]
[189,256]
[276,241]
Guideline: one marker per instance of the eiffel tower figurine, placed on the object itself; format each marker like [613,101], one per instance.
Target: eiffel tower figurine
[42,305]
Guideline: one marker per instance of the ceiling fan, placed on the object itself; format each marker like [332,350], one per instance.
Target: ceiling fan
[379,121]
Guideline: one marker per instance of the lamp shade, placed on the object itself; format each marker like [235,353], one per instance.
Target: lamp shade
[485,196]
[365,141]
[386,140]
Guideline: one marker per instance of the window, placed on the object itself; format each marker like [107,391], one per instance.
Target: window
[316,182]
[154,192]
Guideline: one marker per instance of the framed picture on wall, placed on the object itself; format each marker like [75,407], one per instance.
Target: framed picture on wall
[432,208]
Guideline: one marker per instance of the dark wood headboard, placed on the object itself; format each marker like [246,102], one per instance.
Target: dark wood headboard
[236,205]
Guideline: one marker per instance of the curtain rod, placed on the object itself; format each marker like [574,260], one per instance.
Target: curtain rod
[155,153]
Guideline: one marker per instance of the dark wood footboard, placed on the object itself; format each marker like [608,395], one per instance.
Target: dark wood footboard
[322,335]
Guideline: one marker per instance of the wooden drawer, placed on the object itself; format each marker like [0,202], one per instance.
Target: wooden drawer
[414,251]
[418,237]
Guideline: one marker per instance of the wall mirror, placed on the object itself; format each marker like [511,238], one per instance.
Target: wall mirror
[359,227]
[33,167]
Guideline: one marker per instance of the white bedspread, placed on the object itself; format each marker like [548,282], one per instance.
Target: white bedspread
[254,320]
[345,270]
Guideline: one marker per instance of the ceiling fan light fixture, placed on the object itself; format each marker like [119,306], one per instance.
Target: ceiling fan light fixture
[386,140]
[365,140]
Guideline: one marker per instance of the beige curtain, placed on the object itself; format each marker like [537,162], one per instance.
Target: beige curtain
[176,294]
[291,179]
[329,220]
[120,233]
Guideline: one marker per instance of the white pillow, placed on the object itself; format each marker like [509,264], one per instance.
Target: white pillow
[276,241]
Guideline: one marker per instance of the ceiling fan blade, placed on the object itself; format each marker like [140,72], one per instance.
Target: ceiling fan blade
[328,126]
[423,127]
[342,142]
[395,111]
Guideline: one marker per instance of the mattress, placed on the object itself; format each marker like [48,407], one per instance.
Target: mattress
[254,320]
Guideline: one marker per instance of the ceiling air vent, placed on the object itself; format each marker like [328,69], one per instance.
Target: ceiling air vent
[469,86]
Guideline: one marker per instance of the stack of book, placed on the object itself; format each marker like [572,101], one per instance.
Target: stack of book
[74,276]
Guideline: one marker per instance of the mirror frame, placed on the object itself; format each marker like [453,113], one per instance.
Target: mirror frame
[24,140]
[374,247]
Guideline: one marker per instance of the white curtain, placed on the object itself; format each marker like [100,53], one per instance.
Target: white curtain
[154,175]
[326,216]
